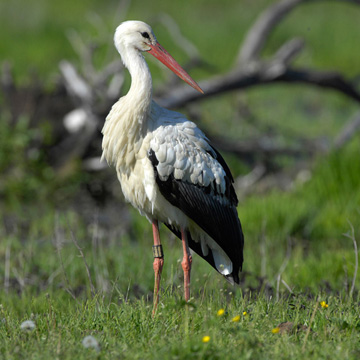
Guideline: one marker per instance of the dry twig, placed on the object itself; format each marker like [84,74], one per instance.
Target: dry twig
[92,287]
[58,245]
[352,237]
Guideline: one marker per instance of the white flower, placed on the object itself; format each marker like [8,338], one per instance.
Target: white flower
[27,325]
[90,342]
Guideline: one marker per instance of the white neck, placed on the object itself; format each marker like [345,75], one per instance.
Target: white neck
[140,92]
[126,124]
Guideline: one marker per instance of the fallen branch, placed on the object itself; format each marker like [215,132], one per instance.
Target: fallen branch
[265,147]
[258,34]
[250,70]
[352,237]
[259,74]
[350,129]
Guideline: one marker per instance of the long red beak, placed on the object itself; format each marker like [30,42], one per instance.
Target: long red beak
[161,54]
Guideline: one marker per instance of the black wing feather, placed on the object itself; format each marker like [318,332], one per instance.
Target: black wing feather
[218,218]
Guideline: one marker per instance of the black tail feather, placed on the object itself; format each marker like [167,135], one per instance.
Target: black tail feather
[196,247]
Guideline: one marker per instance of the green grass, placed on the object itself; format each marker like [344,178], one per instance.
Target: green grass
[47,282]
[125,328]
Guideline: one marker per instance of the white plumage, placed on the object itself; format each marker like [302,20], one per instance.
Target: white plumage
[165,164]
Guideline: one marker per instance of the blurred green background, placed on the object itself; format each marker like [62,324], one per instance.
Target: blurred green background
[33,35]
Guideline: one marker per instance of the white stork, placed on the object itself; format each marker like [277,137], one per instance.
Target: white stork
[167,168]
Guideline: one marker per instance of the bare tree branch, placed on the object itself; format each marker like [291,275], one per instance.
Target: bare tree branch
[264,146]
[259,74]
[176,34]
[75,84]
[350,129]
[258,34]
[7,80]
[250,70]
[289,50]
[326,79]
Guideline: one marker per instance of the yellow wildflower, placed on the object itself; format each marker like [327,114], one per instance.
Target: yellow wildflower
[245,313]
[220,312]
[206,339]
[275,330]
[324,304]
[236,318]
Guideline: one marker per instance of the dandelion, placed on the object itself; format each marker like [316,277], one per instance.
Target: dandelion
[236,318]
[205,339]
[324,304]
[90,342]
[275,330]
[245,313]
[221,312]
[27,325]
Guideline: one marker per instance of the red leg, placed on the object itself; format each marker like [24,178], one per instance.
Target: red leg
[158,263]
[186,264]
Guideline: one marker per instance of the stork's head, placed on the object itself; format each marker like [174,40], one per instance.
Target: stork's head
[139,36]
[134,34]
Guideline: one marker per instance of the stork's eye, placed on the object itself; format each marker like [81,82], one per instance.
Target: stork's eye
[145,35]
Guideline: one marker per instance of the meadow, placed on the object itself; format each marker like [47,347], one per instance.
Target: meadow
[71,267]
